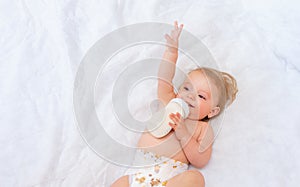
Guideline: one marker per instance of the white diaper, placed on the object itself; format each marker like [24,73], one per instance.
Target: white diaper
[157,170]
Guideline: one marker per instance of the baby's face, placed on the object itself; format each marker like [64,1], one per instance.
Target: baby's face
[197,92]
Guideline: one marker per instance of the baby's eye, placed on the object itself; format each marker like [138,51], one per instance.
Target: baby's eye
[185,88]
[202,97]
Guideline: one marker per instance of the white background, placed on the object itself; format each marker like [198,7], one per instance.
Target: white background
[43,42]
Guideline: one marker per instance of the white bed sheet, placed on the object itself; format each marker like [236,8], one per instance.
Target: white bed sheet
[43,42]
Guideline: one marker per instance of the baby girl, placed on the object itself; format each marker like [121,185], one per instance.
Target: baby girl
[206,91]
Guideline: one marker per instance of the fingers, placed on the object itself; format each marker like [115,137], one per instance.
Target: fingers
[167,37]
[178,28]
[176,115]
[175,33]
[176,25]
[176,118]
[172,125]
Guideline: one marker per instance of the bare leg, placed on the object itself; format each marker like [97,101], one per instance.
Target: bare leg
[121,182]
[191,178]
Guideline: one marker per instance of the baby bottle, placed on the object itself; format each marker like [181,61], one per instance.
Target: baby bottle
[158,125]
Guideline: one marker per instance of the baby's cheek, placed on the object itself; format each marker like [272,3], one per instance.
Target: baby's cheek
[204,110]
[197,110]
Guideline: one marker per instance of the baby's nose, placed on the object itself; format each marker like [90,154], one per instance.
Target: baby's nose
[190,96]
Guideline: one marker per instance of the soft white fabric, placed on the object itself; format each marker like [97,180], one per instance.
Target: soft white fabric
[43,42]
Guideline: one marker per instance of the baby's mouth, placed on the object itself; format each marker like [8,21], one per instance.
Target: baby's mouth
[190,105]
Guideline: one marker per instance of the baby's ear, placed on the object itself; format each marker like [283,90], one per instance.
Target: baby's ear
[215,111]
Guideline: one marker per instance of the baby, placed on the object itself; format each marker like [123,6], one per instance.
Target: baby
[206,91]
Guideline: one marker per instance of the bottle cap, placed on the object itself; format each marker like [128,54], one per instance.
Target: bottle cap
[164,128]
[184,106]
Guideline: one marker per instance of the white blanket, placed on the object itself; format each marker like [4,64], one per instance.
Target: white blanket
[43,42]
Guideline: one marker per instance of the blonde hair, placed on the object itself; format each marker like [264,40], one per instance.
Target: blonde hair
[224,82]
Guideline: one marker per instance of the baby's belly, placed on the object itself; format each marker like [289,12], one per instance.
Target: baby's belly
[167,146]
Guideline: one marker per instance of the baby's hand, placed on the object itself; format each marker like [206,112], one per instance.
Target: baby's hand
[178,126]
[172,39]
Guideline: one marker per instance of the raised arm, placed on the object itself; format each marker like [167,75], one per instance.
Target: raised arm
[165,91]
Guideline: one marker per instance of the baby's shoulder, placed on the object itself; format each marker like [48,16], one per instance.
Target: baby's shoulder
[203,125]
[206,131]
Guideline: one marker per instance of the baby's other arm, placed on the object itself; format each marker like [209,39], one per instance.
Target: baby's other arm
[198,151]
[197,148]
[165,91]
